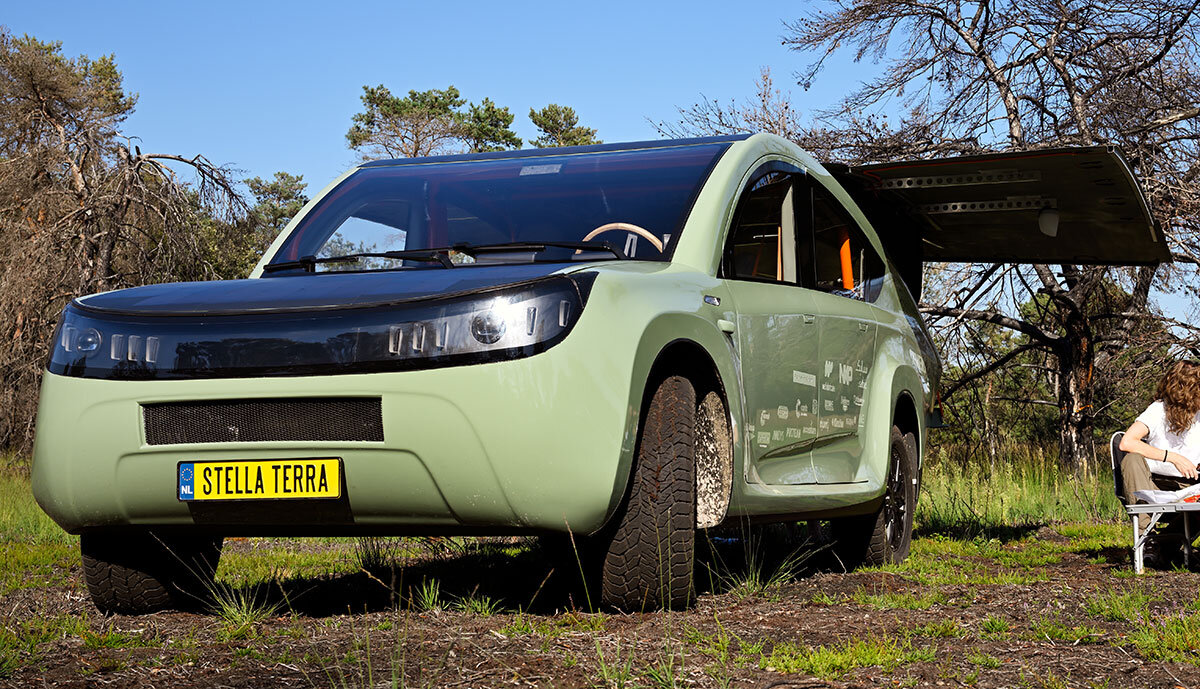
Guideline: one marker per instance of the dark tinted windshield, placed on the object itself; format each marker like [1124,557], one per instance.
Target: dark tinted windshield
[637,200]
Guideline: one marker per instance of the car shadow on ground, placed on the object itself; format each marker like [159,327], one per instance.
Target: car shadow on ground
[507,577]
[536,576]
[969,530]
[551,575]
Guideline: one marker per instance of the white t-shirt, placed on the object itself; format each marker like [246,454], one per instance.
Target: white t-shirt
[1188,445]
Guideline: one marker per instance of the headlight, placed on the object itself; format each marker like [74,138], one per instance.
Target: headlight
[495,325]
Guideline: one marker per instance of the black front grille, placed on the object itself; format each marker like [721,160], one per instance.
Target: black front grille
[260,421]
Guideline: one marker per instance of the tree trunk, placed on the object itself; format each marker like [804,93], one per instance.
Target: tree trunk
[1076,360]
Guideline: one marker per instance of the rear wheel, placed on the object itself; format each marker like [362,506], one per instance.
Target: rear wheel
[649,561]
[884,536]
[143,572]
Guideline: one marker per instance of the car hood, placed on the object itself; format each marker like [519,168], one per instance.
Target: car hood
[313,292]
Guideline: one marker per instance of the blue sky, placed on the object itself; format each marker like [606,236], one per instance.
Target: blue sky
[272,86]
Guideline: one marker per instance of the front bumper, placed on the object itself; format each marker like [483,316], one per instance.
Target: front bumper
[539,443]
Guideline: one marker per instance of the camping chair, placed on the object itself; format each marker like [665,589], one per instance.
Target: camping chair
[1155,511]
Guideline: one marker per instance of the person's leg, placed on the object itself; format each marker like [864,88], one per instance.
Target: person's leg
[1137,477]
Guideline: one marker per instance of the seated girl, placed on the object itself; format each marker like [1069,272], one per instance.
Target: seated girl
[1168,431]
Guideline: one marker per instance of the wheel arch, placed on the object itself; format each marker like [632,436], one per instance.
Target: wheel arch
[904,416]
[680,344]
[894,392]
[688,358]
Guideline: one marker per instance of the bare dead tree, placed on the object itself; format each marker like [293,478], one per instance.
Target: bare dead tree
[82,210]
[991,75]
[769,110]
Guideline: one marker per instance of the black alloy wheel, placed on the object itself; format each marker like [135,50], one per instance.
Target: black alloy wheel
[884,536]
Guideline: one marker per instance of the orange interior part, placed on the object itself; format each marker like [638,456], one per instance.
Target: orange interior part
[847,262]
[779,254]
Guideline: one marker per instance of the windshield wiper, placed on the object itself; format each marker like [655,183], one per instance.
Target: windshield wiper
[309,263]
[538,246]
[441,255]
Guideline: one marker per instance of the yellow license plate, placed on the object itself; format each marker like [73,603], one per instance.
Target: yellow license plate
[260,480]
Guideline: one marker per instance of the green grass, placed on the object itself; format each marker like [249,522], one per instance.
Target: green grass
[941,560]
[34,551]
[836,660]
[822,598]
[524,625]
[21,641]
[758,574]
[1019,493]
[553,627]
[666,672]
[1051,629]
[1028,557]
[273,559]
[34,565]
[1129,605]
[614,670]
[113,638]
[983,660]
[21,520]
[378,555]
[1171,639]
[1097,535]
[475,604]
[240,611]
[428,596]
[993,627]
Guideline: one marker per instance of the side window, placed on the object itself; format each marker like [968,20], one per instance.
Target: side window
[844,263]
[762,241]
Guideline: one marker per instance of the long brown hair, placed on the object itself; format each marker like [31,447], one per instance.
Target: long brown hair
[1179,391]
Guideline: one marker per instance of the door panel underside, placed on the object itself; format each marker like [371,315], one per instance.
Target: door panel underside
[1069,205]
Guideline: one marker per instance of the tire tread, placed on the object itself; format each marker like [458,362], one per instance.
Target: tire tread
[136,574]
[659,514]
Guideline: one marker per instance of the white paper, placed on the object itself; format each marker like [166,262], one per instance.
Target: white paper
[1160,497]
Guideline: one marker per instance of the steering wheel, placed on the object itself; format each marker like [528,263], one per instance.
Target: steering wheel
[628,227]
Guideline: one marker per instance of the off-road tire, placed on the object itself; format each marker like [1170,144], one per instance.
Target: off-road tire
[649,562]
[884,536]
[135,573]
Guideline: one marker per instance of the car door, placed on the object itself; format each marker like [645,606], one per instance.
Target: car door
[847,274]
[776,334]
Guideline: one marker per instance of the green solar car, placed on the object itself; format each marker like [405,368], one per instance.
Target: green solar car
[628,343]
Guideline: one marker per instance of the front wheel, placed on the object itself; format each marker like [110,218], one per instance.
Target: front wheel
[884,536]
[136,573]
[648,563]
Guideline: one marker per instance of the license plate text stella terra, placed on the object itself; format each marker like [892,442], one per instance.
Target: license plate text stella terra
[251,480]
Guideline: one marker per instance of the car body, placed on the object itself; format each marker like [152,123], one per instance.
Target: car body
[500,383]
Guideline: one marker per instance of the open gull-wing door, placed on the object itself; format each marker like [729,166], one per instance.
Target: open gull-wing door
[1064,205]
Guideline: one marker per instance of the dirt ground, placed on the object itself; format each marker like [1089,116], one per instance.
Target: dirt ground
[1022,616]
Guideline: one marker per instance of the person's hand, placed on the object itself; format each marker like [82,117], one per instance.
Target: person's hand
[1185,466]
